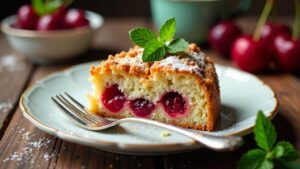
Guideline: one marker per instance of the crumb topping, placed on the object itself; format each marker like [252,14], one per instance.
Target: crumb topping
[194,61]
[129,60]
[182,64]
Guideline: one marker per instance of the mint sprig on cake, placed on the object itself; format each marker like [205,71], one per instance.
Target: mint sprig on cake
[156,47]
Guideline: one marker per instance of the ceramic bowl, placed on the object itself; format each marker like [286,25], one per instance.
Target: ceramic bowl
[51,46]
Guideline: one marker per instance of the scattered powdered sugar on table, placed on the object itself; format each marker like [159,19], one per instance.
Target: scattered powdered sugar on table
[29,153]
[5,106]
[11,63]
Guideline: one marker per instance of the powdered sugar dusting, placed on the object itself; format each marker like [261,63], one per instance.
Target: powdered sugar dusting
[11,63]
[29,153]
[184,64]
[5,106]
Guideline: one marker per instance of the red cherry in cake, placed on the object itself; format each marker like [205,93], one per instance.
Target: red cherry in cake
[26,17]
[174,104]
[141,107]
[113,99]
[75,18]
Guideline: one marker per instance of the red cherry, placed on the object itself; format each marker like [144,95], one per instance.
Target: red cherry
[250,55]
[113,99]
[60,15]
[48,23]
[283,28]
[270,30]
[75,18]
[174,104]
[141,107]
[222,35]
[52,21]
[26,17]
[268,33]
[287,52]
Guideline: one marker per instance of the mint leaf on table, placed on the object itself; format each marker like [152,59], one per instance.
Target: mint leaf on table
[177,45]
[141,36]
[265,135]
[156,48]
[255,159]
[283,154]
[167,30]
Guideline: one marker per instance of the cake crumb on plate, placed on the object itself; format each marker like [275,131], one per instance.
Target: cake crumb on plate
[165,133]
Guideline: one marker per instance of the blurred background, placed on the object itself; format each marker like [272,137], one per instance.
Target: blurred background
[139,8]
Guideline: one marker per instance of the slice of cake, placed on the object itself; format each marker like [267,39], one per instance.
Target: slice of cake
[163,79]
[180,89]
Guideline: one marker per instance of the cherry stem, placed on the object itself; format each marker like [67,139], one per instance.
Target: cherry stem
[296,25]
[263,18]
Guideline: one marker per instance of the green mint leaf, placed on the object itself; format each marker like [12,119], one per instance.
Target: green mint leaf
[265,135]
[277,152]
[288,153]
[52,6]
[168,29]
[38,6]
[289,165]
[154,50]
[255,159]
[177,45]
[141,36]
[42,7]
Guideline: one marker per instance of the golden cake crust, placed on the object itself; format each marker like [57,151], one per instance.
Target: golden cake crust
[201,68]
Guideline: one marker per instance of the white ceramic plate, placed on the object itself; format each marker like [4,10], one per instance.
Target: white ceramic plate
[242,95]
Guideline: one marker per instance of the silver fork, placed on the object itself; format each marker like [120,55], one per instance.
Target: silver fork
[79,114]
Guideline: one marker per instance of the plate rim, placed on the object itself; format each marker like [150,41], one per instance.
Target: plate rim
[127,148]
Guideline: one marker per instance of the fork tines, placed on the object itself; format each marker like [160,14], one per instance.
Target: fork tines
[74,109]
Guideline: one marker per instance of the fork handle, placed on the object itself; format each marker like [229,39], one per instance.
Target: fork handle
[220,143]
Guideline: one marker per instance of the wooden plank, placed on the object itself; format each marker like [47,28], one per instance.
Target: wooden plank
[76,156]
[206,158]
[14,74]
[25,146]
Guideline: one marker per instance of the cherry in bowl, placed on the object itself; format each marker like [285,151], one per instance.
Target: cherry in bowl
[50,47]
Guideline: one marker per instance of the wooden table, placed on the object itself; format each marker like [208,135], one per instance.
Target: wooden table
[25,146]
